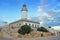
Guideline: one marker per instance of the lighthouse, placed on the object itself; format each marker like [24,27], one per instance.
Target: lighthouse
[24,12]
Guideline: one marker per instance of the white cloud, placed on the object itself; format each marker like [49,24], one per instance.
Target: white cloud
[56,27]
[56,10]
[40,9]
[41,23]
[4,17]
[47,6]
[43,1]
[48,15]
[29,18]
[42,17]
[51,18]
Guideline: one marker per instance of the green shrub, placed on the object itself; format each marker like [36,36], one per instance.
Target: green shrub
[25,29]
[49,26]
[42,29]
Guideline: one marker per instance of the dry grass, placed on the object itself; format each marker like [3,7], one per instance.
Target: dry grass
[36,34]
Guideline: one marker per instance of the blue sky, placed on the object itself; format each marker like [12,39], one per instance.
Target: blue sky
[10,10]
[46,11]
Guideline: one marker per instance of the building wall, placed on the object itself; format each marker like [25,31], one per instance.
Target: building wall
[12,28]
[15,26]
[31,24]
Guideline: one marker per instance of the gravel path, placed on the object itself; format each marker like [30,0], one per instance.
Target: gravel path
[40,38]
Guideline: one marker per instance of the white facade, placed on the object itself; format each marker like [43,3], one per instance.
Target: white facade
[31,24]
[24,14]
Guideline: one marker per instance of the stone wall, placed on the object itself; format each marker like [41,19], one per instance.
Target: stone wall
[1,33]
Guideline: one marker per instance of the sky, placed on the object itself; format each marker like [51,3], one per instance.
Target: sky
[47,12]
[57,28]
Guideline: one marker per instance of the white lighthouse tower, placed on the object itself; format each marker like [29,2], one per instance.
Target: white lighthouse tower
[24,12]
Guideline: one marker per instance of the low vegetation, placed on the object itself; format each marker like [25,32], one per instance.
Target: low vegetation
[49,26]
[26,32]
[42,29]
[25,29]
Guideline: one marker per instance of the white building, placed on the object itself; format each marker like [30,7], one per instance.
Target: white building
[14,26]
[24,20]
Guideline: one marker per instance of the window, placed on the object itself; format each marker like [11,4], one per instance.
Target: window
[32,25]
[35,26]
[29,24]
[13,27]
[0,29]
[25,23]
[19,24]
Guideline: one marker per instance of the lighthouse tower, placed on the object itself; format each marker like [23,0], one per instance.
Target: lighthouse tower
[24,12]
